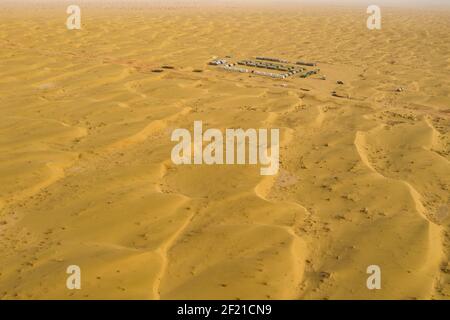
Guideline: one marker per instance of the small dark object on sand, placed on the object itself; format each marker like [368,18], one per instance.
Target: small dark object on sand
[340,82]
[197,70]
[157,70]
[167,67]
[335,94]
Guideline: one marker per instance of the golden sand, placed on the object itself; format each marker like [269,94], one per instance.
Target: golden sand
[87,179]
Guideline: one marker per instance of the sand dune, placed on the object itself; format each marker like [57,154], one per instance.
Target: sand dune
[87,177]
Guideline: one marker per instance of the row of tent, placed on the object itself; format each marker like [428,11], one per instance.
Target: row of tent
[257,72]
[289,70]
[271,66]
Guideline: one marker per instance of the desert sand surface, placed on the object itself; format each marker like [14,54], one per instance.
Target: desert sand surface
[87,178]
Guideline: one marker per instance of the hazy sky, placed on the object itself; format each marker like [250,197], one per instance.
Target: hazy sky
[379,2]
[404,3]
[346,2]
